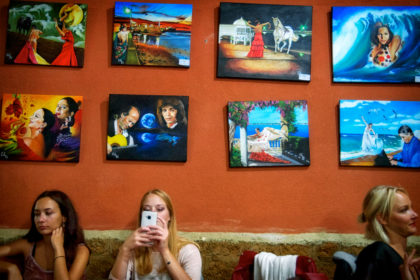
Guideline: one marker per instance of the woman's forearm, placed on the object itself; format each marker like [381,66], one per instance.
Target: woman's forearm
[60,268]
[174,268]
[119,270]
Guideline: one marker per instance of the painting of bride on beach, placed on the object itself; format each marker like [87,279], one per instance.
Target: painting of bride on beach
[152,34]
[268,133]
[380,133]
[262,41]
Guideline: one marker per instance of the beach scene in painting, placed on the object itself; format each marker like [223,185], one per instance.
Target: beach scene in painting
[43,33]
[376,44]
[380,133]
[265,41]
[151,34]
[147,127]
[40,127]
[268,133]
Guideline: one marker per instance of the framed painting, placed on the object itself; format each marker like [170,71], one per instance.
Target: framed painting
[376,44]
[46,33]
[147,127]
[268,133]
[40,127]
[379,133]
[151,34]
[265,41]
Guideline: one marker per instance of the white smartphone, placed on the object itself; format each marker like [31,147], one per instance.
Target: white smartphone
[148,218]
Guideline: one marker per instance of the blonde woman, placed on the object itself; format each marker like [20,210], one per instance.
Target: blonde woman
[390,219]
[157,252]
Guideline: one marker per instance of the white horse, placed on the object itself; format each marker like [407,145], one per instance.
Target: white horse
[282,34]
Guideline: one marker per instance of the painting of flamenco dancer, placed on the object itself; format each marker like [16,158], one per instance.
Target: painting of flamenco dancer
[46,33]
[262,41]
[147,127]
[40,127]
[380,133]
[376,44]
[151,34]
[268,133]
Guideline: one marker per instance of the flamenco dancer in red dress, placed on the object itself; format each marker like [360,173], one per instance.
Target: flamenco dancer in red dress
[67,56]
[257,45]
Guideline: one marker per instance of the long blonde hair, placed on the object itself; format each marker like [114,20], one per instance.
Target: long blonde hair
[378,201]
[175,242]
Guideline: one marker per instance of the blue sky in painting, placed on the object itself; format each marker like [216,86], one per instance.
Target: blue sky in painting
[386,116]
[153,11]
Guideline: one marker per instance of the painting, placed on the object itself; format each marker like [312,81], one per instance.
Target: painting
[44,33]
[376,44]
[40,127]
[151,34]
[261,41]
[268,133]
[147,127]
[379,133]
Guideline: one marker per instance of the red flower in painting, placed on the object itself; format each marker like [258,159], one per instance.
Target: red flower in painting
[264,157]
[15,108]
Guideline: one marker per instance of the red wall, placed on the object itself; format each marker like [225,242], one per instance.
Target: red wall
[208,195]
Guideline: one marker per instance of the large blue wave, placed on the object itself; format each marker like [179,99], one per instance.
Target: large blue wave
[352,45]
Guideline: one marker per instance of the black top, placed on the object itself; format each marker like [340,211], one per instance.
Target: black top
[378,261]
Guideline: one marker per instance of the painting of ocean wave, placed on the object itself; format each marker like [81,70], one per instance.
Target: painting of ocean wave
[376,44]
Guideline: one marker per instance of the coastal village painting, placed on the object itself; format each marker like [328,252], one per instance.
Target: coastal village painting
[262,41]
[376,44]
[40,127]
[147,127]
[151,34]
[268,133]
[45,33]
[380,133]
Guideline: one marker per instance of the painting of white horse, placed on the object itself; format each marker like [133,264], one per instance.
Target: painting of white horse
[251,46]
[283,34]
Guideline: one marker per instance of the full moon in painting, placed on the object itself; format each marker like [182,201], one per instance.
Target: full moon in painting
[148,120]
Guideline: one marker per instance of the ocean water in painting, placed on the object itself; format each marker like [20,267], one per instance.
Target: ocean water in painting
[352,27]
[351,145]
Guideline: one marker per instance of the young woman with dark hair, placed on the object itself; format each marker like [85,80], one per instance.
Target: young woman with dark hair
[54,247]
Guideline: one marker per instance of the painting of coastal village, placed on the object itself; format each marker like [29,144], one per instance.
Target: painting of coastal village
[376,44]
[268,133]
[147,127]
[45,33]
[151,34]
[40,127]
[380,133]
[262,41]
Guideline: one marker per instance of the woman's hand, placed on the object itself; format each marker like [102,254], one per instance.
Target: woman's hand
[409,263]
[139,238]
[159,234]
[66,123]
[57,241]
[11,269]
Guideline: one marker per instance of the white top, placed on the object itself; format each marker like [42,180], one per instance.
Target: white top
[189,258]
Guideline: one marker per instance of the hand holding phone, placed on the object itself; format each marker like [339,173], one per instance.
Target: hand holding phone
[148,218]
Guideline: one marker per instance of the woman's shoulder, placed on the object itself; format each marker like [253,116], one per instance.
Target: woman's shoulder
[189,249]
[377,250]
[21,246]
